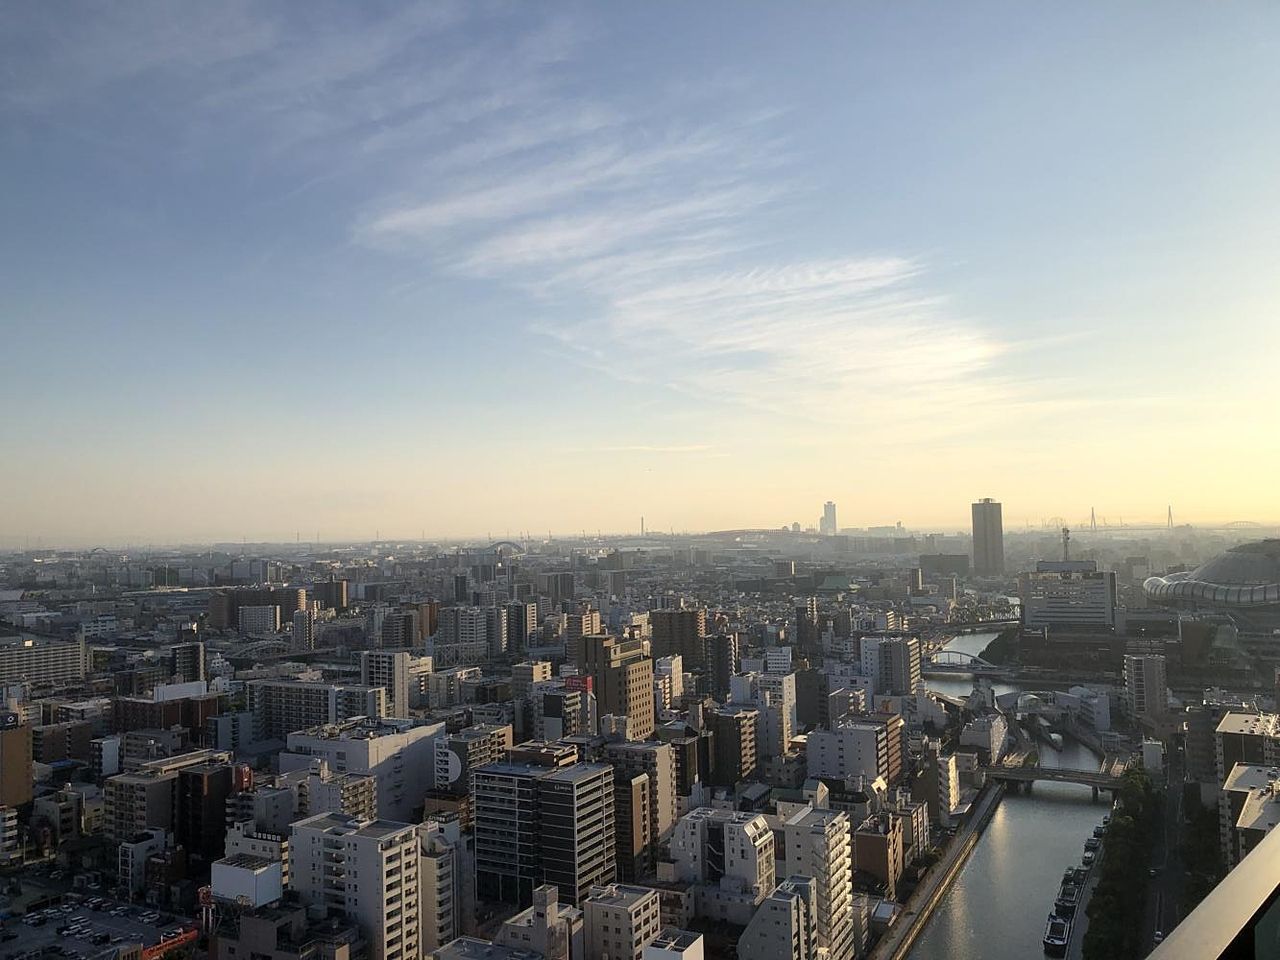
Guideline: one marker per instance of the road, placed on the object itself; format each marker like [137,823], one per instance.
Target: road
[1165,892]
[1080,925]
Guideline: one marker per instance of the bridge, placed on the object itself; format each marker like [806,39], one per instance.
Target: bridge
[1106,777]
[956,661]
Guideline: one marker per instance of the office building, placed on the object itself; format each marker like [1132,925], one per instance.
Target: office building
[988,539]
[537,824]
[1249,738]
[522,623]
[1069,594]
[827,526]
[622,676]
[397,754]
[200,808]
[619,921]
[675,944]
[366,868]
[1146,686]
[15,761]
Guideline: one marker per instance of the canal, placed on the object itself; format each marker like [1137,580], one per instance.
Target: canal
[996,909]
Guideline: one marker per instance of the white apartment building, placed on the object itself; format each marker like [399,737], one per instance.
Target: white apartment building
[817,844]
[368,869]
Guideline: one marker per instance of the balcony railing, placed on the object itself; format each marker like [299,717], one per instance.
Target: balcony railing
[1240,919]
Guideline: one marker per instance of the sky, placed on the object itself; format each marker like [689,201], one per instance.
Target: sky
[480,268]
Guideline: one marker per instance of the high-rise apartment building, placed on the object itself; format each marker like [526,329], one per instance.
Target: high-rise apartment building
[54,662]
[723,659]
[1146,686]
[988,538]
[537,824]
[734,733]
[458,755]
[260,620]
[730,855]
[622,674]
[444,880]
[304,631]
[200,815]
[784,926]
[390,670]
[893,663]
[369,869]
[680,632]
[858,746]
[658,761]
[15,761]
[817,844]
[280,707]
[187,662]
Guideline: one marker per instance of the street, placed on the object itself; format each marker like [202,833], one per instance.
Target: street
[1165,892]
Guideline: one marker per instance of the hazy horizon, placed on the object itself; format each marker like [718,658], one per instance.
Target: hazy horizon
[488,267]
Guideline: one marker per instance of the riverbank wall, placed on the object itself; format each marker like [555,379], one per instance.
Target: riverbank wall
[898,940]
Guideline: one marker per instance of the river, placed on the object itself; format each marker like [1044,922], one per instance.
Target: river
[996,909]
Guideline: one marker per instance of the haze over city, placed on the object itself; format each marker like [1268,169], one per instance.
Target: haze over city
[470,269]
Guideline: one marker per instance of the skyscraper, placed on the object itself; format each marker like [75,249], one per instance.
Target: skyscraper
[988,538]
[828,526]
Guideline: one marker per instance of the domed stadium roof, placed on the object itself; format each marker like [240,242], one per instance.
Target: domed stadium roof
[1244,576]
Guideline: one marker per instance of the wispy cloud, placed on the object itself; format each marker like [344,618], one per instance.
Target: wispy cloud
[645,234]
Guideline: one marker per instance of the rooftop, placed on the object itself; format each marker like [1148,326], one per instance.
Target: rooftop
[677,940]
[1257,724]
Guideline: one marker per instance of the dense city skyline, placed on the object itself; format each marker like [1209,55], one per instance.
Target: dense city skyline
[677,262]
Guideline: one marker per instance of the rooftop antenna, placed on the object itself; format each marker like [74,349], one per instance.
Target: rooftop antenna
[1066,544]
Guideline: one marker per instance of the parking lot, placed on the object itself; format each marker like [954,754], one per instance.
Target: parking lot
[84,927]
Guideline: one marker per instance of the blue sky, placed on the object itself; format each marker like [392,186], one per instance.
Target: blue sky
[481,267]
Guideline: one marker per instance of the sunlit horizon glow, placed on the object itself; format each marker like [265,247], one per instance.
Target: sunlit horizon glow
[464,268]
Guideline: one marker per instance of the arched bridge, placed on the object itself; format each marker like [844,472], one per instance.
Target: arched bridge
[956,661]
[511,545]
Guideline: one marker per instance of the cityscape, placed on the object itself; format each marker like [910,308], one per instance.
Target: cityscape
[600,481]
[809,741]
